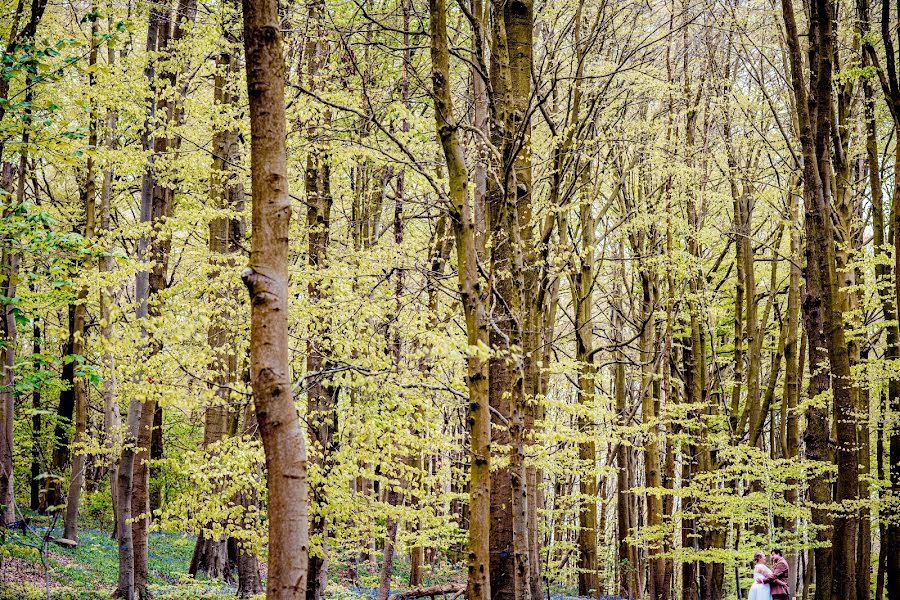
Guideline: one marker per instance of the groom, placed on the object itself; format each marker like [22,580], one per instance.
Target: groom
[779,577]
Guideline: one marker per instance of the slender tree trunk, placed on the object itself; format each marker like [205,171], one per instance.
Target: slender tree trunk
[161,208]
[266,279]
[112,419]
[129,476]
[891,540]
[627,555]
[89,192]
[36,426]
[392,499]
[249,580]
[473,294]
[65,410]
[226,237]
[793,373]
[583,297]
[10,267]
[321,411]
[889,559]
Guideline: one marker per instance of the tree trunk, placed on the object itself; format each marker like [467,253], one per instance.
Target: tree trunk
[793,374]
[10,268]
[321,412]
[129,476]
[112,419]
[89,191]
[36,425]
[583,298]
[226,237]
[889,559]
[473,295]
[249,580]
[627,555]
[822,314]
[266,279]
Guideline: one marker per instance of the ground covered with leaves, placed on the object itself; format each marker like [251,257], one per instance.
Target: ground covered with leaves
[90,570]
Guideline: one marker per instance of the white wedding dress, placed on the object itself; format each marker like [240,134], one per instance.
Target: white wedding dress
[760,590]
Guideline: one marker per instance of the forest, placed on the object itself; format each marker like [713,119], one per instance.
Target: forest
[450,299]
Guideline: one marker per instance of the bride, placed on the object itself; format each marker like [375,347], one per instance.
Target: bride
[760,590]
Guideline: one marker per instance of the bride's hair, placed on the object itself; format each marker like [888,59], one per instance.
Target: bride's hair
[759,555]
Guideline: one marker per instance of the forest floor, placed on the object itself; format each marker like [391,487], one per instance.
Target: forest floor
[90,570]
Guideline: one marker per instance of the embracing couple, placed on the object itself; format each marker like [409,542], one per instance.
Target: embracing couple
[770,584]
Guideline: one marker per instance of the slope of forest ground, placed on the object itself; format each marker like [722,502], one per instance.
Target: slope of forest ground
[89,570]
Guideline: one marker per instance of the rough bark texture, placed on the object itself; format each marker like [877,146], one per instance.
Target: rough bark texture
[509,223]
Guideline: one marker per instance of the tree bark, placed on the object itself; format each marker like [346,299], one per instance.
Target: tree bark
[226,237]
[130,476]
[473,295]
[889,561]
[36,427]
[835,570]
[10,268]
[89,192]
[266,279]
[321,412]
[112,419]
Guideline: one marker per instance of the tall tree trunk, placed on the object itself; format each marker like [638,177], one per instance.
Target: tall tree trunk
[393,496]
[473,294]
[36,426]
[835,571]
[266,279]
[321,412]
[226,237]
[889,560]
[510,228]
[168,107]
[112,419]
[157,254]
[129,472]
[89,192]
[583,277]
[627,555]
[10,268]
[793,374]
